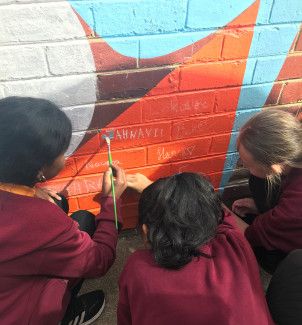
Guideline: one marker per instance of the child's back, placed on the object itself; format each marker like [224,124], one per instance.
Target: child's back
[221,286]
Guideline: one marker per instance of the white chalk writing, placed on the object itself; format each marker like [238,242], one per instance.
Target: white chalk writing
[98,164]
[183,131]
[139,133]
[184,153]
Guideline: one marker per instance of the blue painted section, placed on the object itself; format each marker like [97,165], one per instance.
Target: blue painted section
[150,17]
[273,40]
[249,73]
[252,96]
[264,12]
[231,160]
[213,14]
[241,118]
[266,41]
[149,50]
[267,69]
[286,10]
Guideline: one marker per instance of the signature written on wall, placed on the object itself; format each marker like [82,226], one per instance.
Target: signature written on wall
[184,153]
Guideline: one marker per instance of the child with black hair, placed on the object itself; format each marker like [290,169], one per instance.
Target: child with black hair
[199,269]
[44,254]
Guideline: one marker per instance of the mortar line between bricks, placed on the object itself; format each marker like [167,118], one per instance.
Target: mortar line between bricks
[289,105]
[138,37]
[47,62]
[30,3]
[154,144]
[94,22]
[91,155]
[187,13]
[37,43]
[271,11]
[139,55]
[254,71]
[133,100]
[194,31]
[197,31]
[219,114]
[147,69]
[97,174]
[222,47]
[97,73]
[283,85]
[294,45]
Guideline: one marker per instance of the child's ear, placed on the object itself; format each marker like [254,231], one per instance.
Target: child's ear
[145,229]
[277,168]
[145,234]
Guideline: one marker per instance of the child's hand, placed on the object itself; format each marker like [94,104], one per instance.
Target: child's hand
[245,206]
[120,183]
[46,194]
[138,182]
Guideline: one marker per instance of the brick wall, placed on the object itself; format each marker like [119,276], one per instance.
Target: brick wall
[173,80]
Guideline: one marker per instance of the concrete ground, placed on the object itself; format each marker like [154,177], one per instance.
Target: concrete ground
[128,242]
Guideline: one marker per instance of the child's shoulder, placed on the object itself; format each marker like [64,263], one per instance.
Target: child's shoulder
[229,232]
[139,260]
[33,213]
[140,256]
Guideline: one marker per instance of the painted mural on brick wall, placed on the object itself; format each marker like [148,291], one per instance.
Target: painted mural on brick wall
[172,80]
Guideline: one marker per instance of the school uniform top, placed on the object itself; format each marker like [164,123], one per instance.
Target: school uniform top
[281,227]
[42,251]
[222,290]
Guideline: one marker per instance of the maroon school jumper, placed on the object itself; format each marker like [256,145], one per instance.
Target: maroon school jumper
[40,249]
[222,290]
[281,227]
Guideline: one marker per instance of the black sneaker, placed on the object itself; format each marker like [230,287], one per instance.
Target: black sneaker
[85,309]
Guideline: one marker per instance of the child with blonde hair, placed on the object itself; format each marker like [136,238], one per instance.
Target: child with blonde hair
[270,147]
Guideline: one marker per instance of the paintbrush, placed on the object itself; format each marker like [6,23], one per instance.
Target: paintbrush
[107,139]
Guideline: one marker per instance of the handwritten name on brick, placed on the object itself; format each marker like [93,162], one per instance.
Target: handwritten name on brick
[185,153]
[138,133]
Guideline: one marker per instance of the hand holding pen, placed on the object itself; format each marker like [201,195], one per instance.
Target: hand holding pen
[120,182]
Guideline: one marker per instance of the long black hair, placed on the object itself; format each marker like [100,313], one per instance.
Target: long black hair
[33,133]
[182,213]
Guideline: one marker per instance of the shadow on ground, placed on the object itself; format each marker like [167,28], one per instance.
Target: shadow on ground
[128,243]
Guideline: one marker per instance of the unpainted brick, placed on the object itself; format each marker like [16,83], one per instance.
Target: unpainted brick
[292,92]
[292,68]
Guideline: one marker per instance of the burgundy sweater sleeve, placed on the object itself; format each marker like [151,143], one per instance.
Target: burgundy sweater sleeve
[74,254]
[280,227]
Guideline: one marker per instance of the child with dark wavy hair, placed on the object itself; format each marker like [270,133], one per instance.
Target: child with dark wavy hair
[198,269]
